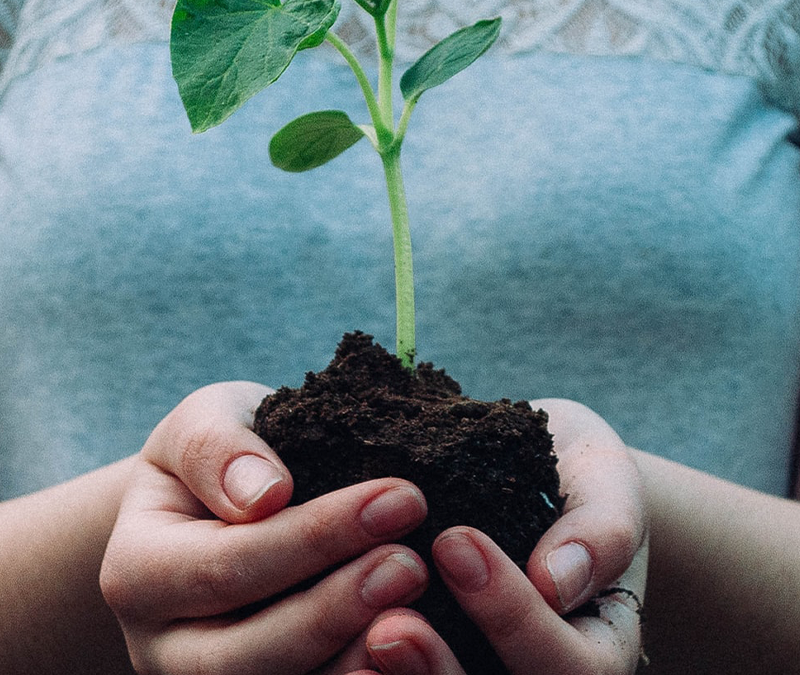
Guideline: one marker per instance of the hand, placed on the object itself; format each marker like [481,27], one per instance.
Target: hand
[202,563]
[597,549]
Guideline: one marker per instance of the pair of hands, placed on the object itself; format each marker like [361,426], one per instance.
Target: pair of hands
[202,565]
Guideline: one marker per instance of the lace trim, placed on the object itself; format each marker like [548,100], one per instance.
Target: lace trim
[51,29]
[756,38]
[9,15]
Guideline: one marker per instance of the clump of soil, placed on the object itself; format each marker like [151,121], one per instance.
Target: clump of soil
[487,465]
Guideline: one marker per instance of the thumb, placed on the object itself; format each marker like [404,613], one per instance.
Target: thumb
[208,444]
[604,523]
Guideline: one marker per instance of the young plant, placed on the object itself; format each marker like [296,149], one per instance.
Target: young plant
[225,51]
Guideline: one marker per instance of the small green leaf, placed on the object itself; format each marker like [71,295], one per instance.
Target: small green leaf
[225,51]
[375,7]
[449,57]
[312,140]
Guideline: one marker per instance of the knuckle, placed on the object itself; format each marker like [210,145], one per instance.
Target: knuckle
[331,629]
[506,626]
[188,427]
[619,535]
[621,538]
[130,587]
[322,535]
[123,576]
[118,592]
[200,443]
[217,580]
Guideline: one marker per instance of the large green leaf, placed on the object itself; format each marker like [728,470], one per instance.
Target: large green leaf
[449,57]
[225,51]
[312,140]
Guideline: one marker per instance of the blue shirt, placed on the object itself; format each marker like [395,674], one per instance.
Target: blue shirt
[613,230]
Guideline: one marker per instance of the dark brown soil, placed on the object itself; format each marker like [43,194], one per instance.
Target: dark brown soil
[487,465]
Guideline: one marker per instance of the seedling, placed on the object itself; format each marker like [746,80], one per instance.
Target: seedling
[226,51]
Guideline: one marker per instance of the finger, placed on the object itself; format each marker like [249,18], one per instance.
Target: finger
[199,568]
[406,644]
[604,521]
[356,658]
[399,642]
[295,635]
[627,592]
[207,442]
[524,630]
[618,616]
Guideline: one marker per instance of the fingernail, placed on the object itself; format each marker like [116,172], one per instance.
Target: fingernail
[394,512]
[570,567]
[400,656]
[395,580]
[248,478]
[462,563]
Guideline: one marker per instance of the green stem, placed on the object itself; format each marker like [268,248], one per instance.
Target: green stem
[391,24]
[382,113]
[366,88]
[402,125]
[403,265]
[385,64]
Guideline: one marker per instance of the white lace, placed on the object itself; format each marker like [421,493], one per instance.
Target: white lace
[757,38]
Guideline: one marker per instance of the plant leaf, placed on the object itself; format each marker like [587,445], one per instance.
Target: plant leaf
[376,8]
[449,57]
[312,140]
[225,51]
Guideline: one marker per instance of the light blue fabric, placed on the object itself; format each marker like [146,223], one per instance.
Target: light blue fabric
[617,231]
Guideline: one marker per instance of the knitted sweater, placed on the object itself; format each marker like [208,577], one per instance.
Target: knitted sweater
[605,208]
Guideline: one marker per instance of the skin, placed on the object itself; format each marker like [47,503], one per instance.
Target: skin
[184,551]
[52,615]
[725,575]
